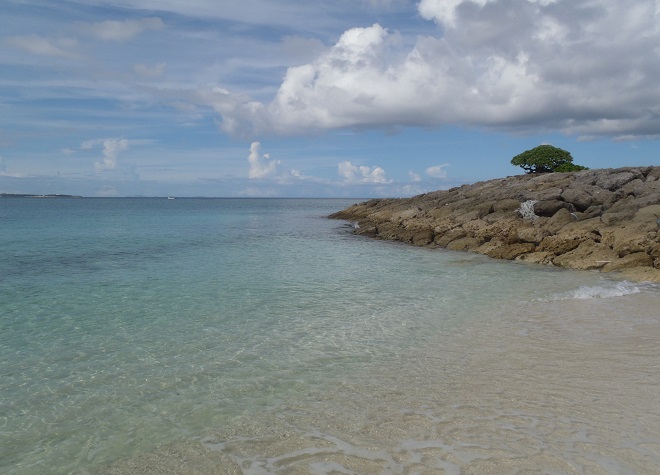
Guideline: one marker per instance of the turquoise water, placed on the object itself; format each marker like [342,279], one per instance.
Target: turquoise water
[126,324]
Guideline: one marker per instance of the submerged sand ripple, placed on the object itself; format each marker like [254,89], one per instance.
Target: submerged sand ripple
[551,389]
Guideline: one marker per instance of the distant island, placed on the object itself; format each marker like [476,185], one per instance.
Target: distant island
[607,220]
[27,195]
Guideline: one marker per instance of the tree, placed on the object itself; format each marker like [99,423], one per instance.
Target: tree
[546,159]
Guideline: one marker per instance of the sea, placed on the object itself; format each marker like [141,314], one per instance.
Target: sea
[257,336]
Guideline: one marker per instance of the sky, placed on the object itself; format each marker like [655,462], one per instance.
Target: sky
[294,98]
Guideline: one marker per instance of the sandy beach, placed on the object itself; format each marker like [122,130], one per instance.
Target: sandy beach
[557,388]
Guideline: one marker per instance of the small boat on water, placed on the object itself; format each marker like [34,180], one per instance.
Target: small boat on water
[171,198]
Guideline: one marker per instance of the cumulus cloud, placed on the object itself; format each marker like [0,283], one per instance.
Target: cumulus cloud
[261,166]
[414,177]
[445,11]
[580,67]
[448,12]
[361,174]
[112,30]
[110,147]
[437,171]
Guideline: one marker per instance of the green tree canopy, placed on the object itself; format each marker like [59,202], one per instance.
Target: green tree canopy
[545,159]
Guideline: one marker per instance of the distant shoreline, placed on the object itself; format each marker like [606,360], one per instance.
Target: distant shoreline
[24,195]
[29,195]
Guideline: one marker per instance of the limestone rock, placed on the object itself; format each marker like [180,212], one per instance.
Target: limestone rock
[588,255]
[550,207]
[606,219]
[614,181]
[638,259]
[536,257]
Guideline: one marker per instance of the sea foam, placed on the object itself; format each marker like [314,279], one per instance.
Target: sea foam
[604,291]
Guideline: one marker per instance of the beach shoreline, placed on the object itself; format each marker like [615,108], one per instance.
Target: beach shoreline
[561,390]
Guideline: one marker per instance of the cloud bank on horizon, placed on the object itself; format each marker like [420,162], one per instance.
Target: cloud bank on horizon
[94,77]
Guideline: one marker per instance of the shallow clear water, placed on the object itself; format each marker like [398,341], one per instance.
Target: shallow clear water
[259,335]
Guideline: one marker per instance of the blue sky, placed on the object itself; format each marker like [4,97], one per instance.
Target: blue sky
[349,98]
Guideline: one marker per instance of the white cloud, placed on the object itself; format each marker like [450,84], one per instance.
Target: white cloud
[580,67]
[42,46]
[409,190]
[3,169]
[443,11]
[261,166]
[361,174]
[437,171]
[146,71]
[112,30]
[446,12]
[111,148]
[414,177]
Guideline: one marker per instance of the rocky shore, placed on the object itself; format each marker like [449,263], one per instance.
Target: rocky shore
[605,219]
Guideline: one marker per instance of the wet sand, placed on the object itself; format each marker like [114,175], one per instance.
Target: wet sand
[568,386]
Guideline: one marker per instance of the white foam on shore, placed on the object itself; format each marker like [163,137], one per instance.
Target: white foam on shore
[605,291]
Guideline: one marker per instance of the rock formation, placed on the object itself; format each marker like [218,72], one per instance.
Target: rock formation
[607,219]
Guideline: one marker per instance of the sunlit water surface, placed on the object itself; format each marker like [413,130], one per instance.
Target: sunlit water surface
[257,336]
